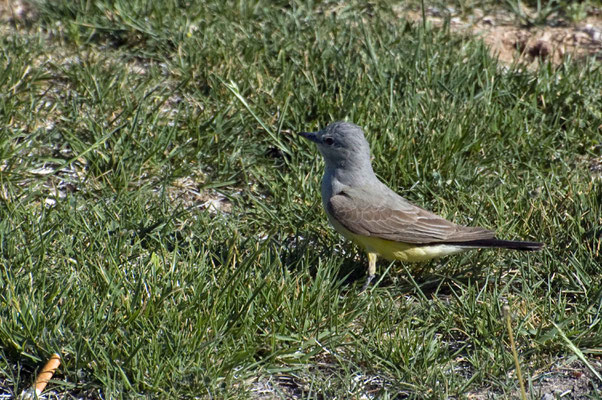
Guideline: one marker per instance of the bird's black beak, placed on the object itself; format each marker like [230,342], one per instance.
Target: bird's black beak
[313,136]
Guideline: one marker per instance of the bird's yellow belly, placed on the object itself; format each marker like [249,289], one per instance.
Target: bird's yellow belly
[398,250]
[404,251]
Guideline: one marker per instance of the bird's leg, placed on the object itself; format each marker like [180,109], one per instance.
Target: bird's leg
[371,270]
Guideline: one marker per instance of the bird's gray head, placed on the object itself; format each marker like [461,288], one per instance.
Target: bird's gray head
[342,145]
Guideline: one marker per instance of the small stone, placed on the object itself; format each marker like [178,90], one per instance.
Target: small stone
[594,33]
[488,20]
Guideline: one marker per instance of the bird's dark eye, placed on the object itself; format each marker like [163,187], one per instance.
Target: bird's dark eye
[329,141]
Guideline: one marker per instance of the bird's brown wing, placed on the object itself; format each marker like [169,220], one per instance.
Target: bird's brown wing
[406,223]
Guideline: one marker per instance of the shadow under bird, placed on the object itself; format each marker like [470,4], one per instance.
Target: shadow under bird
[364,210]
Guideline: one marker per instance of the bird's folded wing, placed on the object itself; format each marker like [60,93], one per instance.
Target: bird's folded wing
[401,222]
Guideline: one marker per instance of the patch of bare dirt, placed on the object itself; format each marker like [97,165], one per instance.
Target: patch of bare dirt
[510,42]
[564,380]
[17,11]
[186,192]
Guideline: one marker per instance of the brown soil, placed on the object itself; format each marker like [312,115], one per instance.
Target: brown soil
[511,42]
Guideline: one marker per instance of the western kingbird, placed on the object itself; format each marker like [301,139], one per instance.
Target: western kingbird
[365,211]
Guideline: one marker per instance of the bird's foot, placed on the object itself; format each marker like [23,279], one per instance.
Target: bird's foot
[369,279]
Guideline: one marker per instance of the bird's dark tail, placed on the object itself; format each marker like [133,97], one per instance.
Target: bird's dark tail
[502,244]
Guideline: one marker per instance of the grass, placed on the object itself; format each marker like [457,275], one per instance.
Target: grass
[123,120]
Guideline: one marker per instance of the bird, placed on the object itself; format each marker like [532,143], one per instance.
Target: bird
[384,224]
